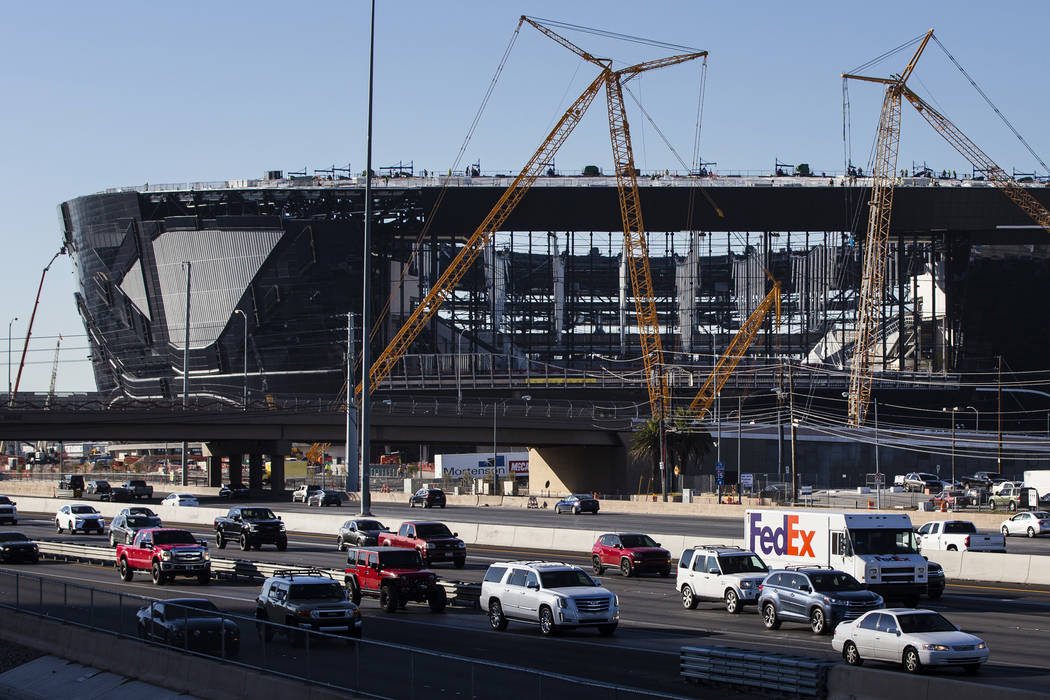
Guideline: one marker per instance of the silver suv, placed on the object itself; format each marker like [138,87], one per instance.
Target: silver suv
[821,597]
[719,572]
[554,595]
[306,599]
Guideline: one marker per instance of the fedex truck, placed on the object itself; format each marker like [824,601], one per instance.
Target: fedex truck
[879,550]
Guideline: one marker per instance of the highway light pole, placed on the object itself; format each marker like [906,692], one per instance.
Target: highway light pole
[366,291]
[186,371]
[244,396]
[954,410]
[976,419]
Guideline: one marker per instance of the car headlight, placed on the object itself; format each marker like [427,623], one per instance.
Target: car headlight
[79,521]
[635,555]
[249,527]
[920,571]
[561,602]
[935,647]
[746,584]
[461,545]
[283,528]
[166,555]
[206,556]
[873,572]
[431,545]
[982,645]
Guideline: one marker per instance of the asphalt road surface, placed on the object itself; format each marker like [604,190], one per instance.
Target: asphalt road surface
[1014,620]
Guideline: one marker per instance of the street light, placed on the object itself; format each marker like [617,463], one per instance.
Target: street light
[10,323]
[976,419]
[244,399]
[955,409]
[495,405]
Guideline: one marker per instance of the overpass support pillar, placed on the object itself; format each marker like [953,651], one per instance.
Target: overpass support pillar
[255,471]
[560,470]
[215,470]
[236,477]
[277,473]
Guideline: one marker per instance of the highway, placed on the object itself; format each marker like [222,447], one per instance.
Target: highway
[1014,620]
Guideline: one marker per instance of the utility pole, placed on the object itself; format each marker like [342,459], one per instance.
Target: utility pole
[663,445]
[999,415]
[186,374]
[780,427]
[739,431]
[791,416]
[352,451]
[366,292]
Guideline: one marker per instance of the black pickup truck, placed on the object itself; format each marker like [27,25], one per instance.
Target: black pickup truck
[251,526]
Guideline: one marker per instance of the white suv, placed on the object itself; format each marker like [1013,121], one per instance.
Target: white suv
[79,517]
[302,493]
[719,572]
[552,594]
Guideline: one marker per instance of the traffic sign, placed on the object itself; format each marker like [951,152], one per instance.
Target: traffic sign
[747,481]
[720,467]
[720,478]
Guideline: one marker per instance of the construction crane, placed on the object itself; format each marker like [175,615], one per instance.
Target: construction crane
[630,209]
[54,375]
[735,351]
[876,245]
[32,317]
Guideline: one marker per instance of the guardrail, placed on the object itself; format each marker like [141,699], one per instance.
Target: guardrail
[460,593]
[755,669]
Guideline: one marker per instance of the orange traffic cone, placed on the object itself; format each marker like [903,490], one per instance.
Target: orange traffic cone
[944,506]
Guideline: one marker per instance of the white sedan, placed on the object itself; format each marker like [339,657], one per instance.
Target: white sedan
[1034,523]
[912,638]
[180,499]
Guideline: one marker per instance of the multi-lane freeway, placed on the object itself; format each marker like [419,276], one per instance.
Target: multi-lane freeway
[1014,620]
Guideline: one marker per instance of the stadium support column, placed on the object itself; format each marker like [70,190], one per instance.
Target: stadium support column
[277,473]
[255,471]
[215,470]
[236,477]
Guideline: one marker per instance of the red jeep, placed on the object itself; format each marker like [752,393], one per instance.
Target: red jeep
[395,576]
[632,553]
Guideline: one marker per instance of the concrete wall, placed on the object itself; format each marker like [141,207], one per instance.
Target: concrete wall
[560,470]
[851,683]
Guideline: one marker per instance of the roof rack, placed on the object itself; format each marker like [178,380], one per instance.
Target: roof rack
[799,567]
[717,546]
[292,573]
[534,562]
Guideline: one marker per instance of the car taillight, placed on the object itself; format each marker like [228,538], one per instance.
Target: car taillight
[760,586]
[966,542]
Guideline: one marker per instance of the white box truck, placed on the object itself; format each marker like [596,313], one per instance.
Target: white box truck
[1039,479]
[879,550]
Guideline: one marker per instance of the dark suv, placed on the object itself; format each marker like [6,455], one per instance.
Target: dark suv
[821,597]
[428,498]
[305,599]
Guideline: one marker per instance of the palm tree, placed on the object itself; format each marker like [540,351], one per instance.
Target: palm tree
[684,442]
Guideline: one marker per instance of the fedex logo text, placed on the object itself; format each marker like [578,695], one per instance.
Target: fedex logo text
[787,539]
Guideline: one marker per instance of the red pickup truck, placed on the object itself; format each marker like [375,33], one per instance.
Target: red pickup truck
[166,553]
[432,540]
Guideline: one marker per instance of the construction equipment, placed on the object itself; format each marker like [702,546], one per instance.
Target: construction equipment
[32,317]
[627,187]
[881,206]
[54,375]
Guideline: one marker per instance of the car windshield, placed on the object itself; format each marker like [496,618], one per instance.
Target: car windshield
[1040,515]
[316,591]
[401,559]
[173,537]
[139,521]
[141,511]
[5,500]
[637,541]
[370,525]
[912,623]
[582,497]
[835,582]
[741,564]
[883,541]
[185,497]
[13,537]
[83,510]
[257,514]
[101,483]
[566,578]
[436,492]
[928,477]
[433,530]
[191,608]
[959,528]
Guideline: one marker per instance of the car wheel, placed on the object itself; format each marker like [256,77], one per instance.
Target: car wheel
[596,566]
[817,621]
[1011,507]
[437,599]
[426,504]
[220,541]
[547,626]
[952,548]
[935,595]
[112,540]
[666,572]
[388,599]
[58,527]
[497,620]
[156,574]
[911,661]
[606,630]
[340,543]
[1031,532]
[769,617]
[355,591]
[625,567]
[282,545]
[245,545]
[689,601]
[126,574]
[204,578]
[557,511]
[442,505]
[459,563]
[972,669]
[851,655]
[1006,531]
[576,510]
[733,605]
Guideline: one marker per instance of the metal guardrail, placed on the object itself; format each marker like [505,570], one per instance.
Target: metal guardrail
[460,593]
[792,675]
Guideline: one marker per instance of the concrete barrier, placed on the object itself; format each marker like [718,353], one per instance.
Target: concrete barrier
[852,683]
[987,566]
[951,562]
[1039,570]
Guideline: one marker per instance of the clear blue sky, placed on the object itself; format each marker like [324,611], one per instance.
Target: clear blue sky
[107,94]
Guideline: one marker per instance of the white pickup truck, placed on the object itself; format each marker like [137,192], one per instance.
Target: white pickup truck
[958,536]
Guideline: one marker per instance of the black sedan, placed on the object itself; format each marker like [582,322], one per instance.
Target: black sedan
[232,491]
[429,498]
[15,547]
[100,487]
[577,503]
[359,533]
[189,623]
[324,497]
[123,527]
[117,494]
